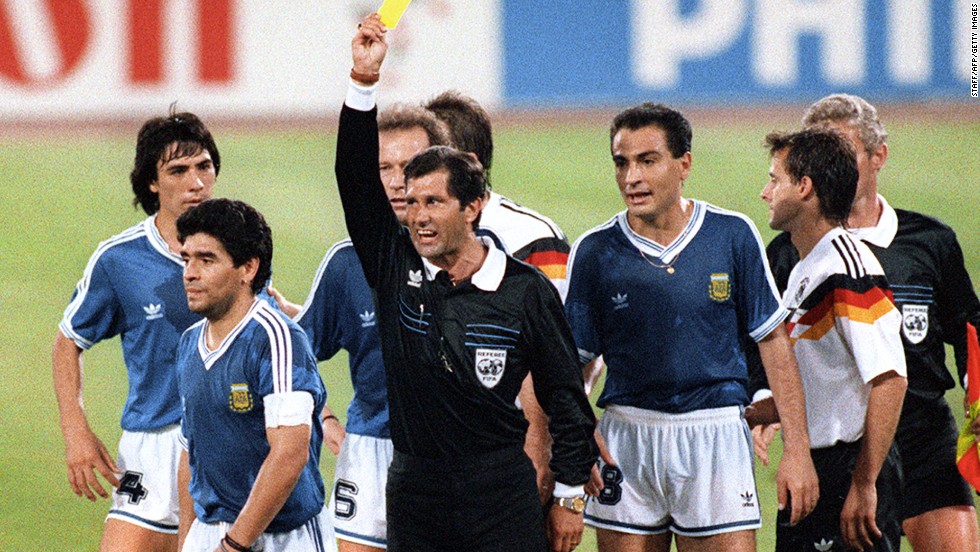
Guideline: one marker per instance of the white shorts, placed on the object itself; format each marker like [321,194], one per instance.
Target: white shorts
[358,499]
[147,493]
[689,473]
[314,536]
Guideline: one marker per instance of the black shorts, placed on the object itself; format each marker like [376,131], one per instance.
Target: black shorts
[926,440]
[487,504]
[821,529]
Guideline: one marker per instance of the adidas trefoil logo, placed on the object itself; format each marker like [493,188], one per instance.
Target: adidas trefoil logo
[619,301]
[824,545]
[415,278]
[747,499]
[367,319]
[153,311]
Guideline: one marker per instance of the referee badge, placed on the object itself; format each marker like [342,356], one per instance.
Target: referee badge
[490,365]
[719,290]
[915,322]
[240,400]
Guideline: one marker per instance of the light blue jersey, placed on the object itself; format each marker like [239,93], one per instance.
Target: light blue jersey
[226,396]
[671,322]
[133,287]
[339,314]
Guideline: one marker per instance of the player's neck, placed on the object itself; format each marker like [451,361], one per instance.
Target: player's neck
[808,233]
[221,324]
[464,262]
[866,209]
[663,228]
[167,227]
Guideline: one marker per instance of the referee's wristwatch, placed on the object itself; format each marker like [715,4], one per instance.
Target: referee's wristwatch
[573,503]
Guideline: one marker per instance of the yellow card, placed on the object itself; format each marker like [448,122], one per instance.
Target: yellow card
[391,11]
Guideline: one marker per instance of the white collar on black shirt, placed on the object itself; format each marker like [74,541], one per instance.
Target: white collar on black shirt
[882,233]
[490,273]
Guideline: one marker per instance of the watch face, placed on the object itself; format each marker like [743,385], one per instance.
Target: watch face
[574,503]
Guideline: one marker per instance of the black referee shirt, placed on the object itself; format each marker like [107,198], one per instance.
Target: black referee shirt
[925,270]
[455,356]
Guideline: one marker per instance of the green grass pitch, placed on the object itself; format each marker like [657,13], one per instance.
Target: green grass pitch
[63,193]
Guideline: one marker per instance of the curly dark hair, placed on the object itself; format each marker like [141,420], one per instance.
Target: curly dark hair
[241,230]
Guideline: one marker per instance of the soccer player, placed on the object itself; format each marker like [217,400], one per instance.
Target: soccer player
[132,287]
[251,396]
[461,325]
[924,265]
[340,314]
[669,291]
[845,332]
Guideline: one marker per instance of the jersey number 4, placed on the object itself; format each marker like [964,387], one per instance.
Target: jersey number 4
[132,484]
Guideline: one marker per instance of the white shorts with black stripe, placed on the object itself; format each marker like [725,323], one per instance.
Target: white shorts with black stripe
[315,535]
[147,492]
[691,473]
[358,499]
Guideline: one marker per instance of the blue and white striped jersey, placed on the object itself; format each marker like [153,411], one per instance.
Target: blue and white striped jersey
[258,377]
[339,314]
[671,322]
[133,287]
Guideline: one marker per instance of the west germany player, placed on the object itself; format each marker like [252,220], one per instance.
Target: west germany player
[251,397]
[932,290]
[132,287]
[845,332]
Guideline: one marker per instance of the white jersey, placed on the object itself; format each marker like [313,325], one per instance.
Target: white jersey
[845,332]
[527,236]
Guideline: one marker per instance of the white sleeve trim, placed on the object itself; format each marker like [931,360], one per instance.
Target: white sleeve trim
[361,98]
[761,395]
[288,409]
[766,328]
[568,491]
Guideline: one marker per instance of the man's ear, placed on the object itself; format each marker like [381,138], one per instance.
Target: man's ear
[805,187]
[878,157]
[248,270]
[473,209]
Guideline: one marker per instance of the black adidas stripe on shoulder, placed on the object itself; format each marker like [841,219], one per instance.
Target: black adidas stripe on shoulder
[848,253]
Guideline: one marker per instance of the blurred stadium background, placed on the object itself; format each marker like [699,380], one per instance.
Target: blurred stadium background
[77,77]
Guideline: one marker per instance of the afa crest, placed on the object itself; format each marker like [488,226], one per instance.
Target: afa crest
[720,289]
[240,400]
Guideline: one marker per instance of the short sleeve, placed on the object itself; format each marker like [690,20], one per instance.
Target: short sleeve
[320,317]
[759,309]
[94,311]
[578,307]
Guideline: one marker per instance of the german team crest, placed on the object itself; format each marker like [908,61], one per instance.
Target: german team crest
[915,322]
[490,365]
[240,400]
[720,289]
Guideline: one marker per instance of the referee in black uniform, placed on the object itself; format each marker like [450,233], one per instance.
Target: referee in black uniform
[461,326]
[924,266]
